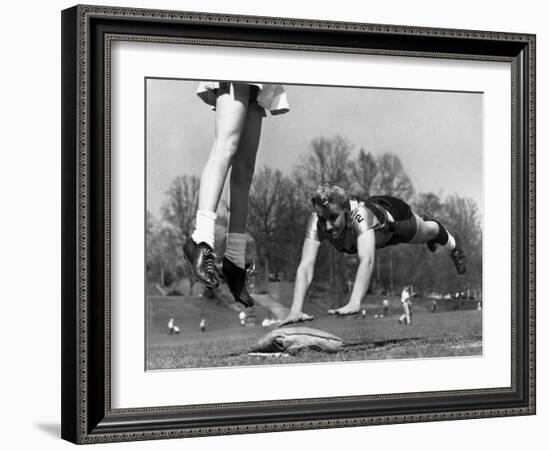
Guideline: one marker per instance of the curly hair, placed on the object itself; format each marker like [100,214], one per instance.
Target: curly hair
[329,193]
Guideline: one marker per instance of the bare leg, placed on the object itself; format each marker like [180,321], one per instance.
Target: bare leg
[407,314]
[242,169]
[426,230]
[238,126]
[231,113]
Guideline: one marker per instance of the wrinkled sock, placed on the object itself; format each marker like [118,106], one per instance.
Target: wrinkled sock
[451,243]
[204,228]
[235,249]
[444,238]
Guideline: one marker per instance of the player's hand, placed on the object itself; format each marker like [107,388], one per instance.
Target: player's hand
[345,310]
[295,318]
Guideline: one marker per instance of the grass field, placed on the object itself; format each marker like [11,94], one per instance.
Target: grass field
[226,343]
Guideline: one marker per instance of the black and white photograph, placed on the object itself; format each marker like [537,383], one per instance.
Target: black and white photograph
[297,224]
[276,222]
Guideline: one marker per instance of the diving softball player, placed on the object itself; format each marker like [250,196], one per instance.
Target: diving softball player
[360,228]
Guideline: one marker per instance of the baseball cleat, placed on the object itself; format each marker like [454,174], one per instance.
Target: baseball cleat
[458,257]
[201,260]
[235,278]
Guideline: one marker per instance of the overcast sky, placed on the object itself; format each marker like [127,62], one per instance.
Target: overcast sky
[437,135]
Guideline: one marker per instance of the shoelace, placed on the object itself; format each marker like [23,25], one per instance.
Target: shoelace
[209,261]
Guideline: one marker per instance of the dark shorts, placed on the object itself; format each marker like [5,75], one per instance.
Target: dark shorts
[225,86]
[404,227]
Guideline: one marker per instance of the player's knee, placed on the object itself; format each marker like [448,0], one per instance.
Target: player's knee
[428,228]
[225,148]
[369,263]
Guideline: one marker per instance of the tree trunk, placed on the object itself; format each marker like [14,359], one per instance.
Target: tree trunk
[390,267]
[377,273]
[266,274]
[191,284]
[331,268]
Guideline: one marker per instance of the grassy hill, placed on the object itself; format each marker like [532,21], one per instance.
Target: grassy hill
[220,312]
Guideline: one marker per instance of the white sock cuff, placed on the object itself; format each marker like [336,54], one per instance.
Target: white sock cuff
[207,214]
[204,227]
[451,244]
[235,248]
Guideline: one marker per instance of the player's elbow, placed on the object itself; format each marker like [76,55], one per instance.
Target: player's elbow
[305,272]
[367,263]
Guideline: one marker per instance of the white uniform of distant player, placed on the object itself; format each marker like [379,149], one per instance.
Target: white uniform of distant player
[171,327]
[406,303]
[242,318]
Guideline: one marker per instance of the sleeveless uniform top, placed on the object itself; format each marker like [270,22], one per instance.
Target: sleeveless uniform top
[359,218]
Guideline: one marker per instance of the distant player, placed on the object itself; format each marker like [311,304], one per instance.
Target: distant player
[172,329]
[202,324]
[242,318]
[406,294]
[357,227]
[171,325]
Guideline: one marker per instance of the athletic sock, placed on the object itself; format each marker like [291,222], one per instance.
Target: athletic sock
[451,243]
[204,228]
[235,249]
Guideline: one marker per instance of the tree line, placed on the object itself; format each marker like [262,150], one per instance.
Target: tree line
[279,209]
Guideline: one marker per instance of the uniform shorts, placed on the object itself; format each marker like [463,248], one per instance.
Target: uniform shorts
[403,228]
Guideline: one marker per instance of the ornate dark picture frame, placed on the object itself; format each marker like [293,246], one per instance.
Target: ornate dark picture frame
[87,414]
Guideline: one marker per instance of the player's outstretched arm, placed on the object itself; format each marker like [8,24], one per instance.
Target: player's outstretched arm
[366,245]
[304,276]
